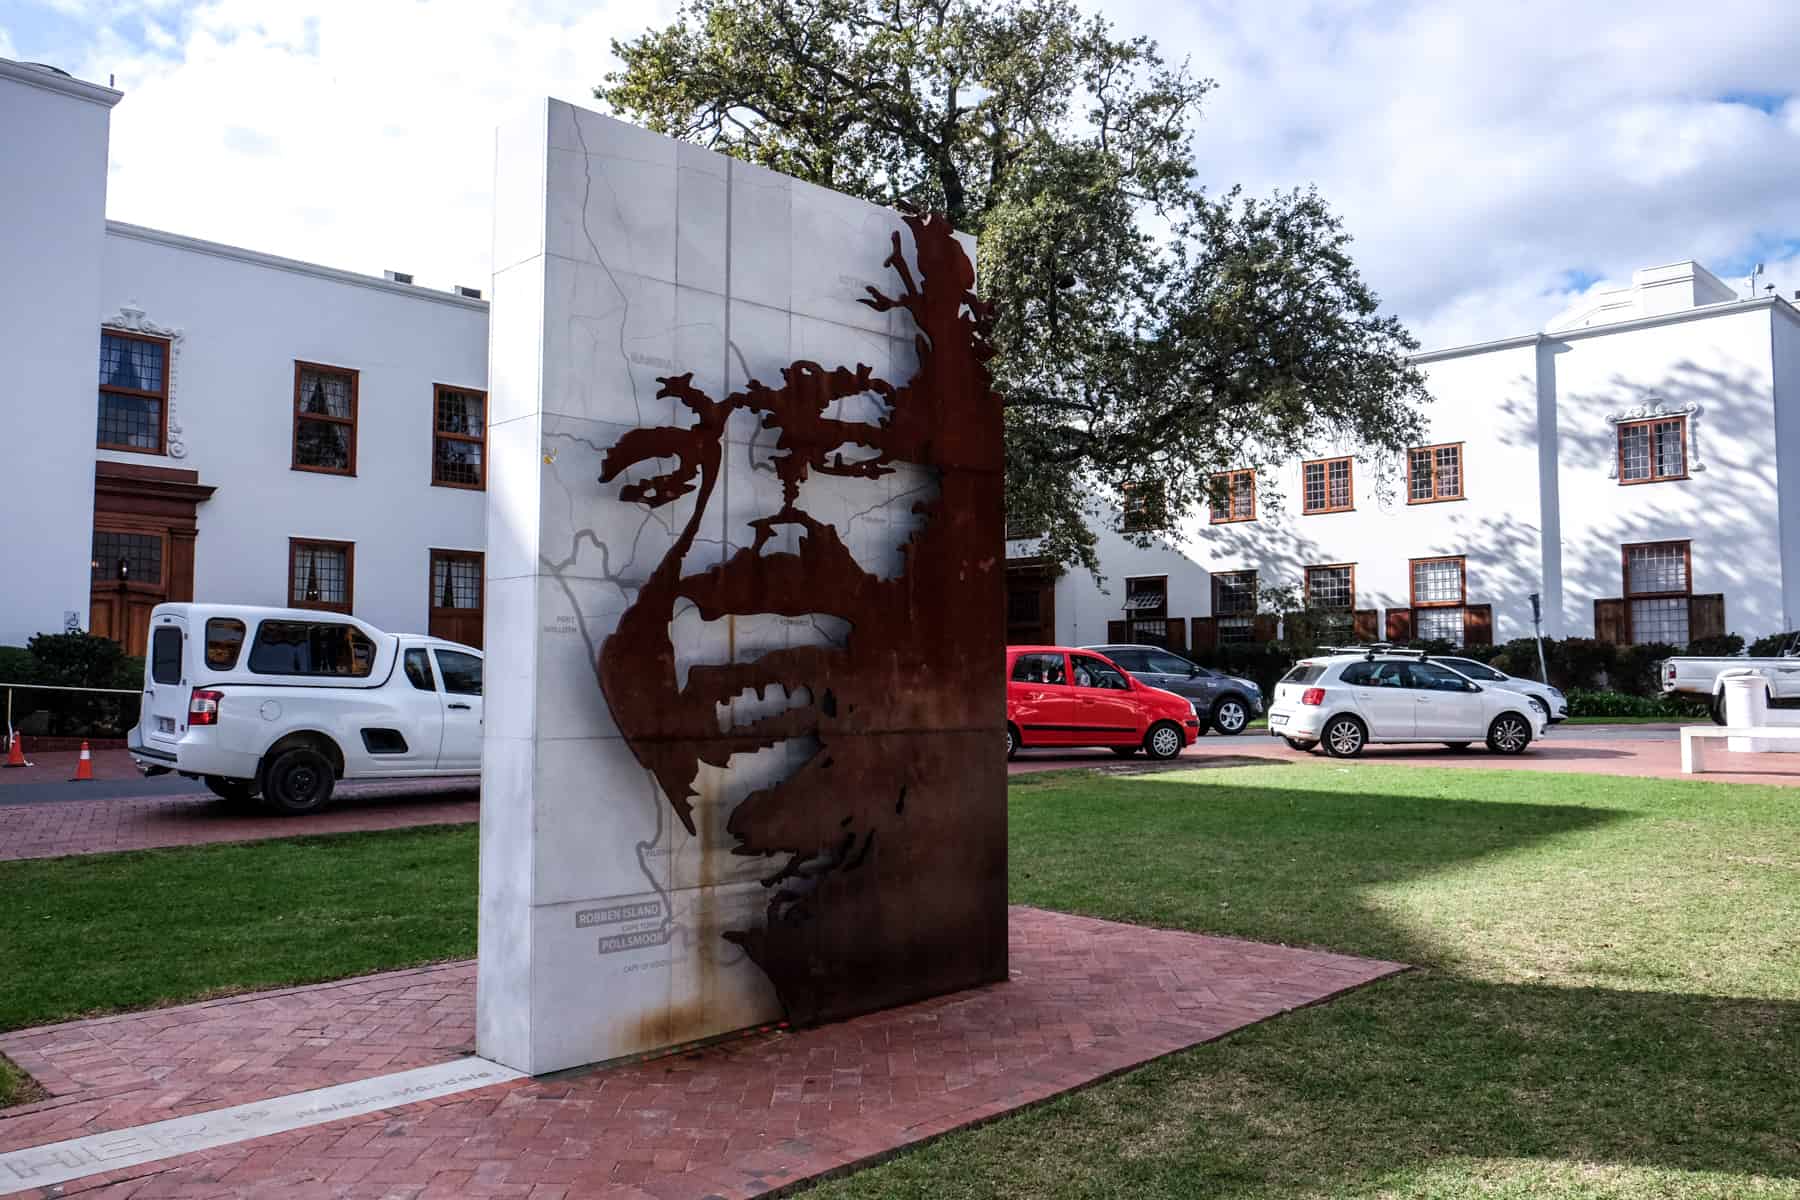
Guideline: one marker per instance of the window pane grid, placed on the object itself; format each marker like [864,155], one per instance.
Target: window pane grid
[457,461]
[1651,450]
[133,391]
[455,583]
[1325,486]
[1439,625]
[1236,630]
[1656,567]
[323,394]
[1419,480]
[1437,581]
[1234,593]
[133,364]
[141,554]
[321,575]
[460,412]
[324,419]
[1328,587]
[1661,620]
[132,421]
[1448,475]
[1338,491]
[1243,496]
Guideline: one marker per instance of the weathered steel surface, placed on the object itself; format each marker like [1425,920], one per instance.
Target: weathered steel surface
[887,848]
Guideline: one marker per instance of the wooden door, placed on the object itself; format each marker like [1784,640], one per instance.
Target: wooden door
[457,594]
[143,547]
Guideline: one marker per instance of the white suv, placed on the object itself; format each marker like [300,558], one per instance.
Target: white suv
[1345,701]
[284,703]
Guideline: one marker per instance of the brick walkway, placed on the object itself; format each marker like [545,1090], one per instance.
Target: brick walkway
[1087,999]
[1565,752]
[138,823]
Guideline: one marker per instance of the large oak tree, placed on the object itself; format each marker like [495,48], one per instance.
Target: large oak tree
[1149,334]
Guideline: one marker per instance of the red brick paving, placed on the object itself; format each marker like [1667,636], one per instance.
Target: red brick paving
[61,827]
[1087,999]
[1566,753]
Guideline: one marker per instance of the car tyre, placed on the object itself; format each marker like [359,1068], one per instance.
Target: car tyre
[236,793]
[1230,715]
[1344,737]
[1717,709]
[298,781]
[1012,742]
[1163,742]
[1125,751]
[1301,744]
[1509,734]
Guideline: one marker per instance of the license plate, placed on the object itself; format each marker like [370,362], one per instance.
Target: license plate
[165,724]
[1277,719]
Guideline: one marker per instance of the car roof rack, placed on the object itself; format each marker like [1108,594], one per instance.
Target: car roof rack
[1371,649]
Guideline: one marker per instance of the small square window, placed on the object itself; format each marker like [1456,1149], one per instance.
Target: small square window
[1330,587]
[459,438]
[1239,491]
[1326,486]
[324,419]
[321,575]
[1652,451]
[1434,473]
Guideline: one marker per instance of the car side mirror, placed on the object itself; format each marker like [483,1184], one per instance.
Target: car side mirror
[1471,687]
[1193,671]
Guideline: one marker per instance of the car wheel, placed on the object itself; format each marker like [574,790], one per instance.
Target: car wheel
[1717,709]
[1012,742]
[1457,745]
[1125,751]
[1509,734]
[1163,742]
[1230,715]
[1344,737]
[298,781]
[1302,744]
[236,793]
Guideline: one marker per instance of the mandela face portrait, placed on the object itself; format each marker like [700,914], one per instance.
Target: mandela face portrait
[885,840]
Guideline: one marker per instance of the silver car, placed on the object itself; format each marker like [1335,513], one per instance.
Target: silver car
[1224,702]
[1546,699]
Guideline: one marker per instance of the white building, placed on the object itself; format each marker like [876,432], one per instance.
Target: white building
[188,419]
[1637,464]
[212,422]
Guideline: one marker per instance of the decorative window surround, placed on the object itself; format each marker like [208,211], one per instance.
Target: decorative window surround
[1652,409]
[130,319]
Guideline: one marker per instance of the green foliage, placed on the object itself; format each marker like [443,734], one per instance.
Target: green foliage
[1583,703]
[1773,645]
[1723,646]
[1148,335]
[73,660]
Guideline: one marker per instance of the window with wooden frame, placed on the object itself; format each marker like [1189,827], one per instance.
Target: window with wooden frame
[1325,486]
[121,555]
[1653,451]
[1238,492]
[1143,506]
[134,393]
[324,419]
[321,575]
[1331,587]
[1659,578]
[1440,592]
[1434,473]
[456,596]
[1234,606]
[459,438]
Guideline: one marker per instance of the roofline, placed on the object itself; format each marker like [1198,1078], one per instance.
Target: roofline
[294,266]
[65,85]
[1725,308]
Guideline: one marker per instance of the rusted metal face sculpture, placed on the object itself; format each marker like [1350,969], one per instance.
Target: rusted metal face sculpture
[887,847]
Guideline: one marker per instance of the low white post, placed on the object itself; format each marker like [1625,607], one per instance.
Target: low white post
[1746,707]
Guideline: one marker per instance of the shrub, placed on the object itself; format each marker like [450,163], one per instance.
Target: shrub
[1769,647]
[1717,647]
[74,660]
[1584,703]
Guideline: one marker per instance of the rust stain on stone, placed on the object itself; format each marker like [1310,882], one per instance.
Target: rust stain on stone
[887,846]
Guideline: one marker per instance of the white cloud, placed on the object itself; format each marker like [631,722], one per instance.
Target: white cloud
[1490,159]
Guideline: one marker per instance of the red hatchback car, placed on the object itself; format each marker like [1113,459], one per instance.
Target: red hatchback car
[1056,696]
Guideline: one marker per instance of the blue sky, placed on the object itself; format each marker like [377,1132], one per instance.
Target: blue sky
[1492,161]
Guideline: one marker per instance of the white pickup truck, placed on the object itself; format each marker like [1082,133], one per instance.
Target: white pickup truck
[279,704]
[1700,677]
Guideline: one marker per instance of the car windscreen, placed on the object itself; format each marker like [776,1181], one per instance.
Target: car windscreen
[1303,673]
[1473,669]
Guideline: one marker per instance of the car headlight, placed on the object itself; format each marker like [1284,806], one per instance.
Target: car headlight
[1557,693]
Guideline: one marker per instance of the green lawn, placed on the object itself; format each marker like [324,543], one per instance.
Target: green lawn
[108,932]
[1607,1002]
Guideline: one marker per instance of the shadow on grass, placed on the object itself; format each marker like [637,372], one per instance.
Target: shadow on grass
[1452,1080]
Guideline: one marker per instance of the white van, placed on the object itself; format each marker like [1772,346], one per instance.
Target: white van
[282,703]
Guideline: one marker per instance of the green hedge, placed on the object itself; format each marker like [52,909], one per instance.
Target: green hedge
[1584,703]
[72,660]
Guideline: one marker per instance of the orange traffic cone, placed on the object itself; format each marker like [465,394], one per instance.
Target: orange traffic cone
[15,753]
[84,768]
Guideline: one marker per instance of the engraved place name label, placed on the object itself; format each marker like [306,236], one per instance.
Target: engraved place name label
[613,914]
[563,624]
[855,281]
[649,360]
[642,940]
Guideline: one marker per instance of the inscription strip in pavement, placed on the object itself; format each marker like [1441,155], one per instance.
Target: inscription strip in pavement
[59,1162]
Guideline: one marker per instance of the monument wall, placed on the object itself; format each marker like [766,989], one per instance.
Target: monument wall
[744,633]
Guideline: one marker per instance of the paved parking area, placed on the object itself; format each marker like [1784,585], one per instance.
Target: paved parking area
[1648,752]
[744,1117]
[51,829]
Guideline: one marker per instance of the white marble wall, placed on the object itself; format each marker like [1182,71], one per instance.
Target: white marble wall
[620,256]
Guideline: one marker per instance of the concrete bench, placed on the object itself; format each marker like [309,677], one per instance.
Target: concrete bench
[1695,737]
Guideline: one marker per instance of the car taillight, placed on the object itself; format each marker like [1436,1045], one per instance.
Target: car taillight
[1669,672]
[1313,696]
[203,707]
